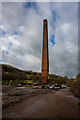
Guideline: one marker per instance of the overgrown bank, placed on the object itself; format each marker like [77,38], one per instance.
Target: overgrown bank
[14,76]
[75,86]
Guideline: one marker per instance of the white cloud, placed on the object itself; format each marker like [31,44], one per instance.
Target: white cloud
[23,26]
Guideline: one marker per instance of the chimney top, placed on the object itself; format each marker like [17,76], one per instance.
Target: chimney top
[45,20]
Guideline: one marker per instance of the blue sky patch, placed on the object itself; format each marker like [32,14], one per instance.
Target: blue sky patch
[15,33]
[53,19]
[52,39]
[4,51]
[3,33]
[54,16]
[27,4]
[30,4]
[1,60]
[10,44]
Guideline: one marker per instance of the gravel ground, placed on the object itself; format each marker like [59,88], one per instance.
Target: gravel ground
[12,95]
[54,104]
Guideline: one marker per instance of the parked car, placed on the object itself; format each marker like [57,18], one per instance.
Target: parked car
[51,87]
[39,87]
[64,86]
[57,87]
[44,87]
[48,86]
[34,87]
[21,84]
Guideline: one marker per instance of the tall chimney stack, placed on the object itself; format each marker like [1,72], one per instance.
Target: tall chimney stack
[45,59]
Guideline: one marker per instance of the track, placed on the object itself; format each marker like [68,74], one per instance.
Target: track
[58,104]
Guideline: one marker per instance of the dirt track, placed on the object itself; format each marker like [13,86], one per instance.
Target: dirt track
[58,104]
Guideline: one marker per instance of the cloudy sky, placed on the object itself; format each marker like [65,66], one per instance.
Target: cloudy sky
[22,35]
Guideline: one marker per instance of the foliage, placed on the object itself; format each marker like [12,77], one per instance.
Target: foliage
[57,79]
[13,76]
[75,86]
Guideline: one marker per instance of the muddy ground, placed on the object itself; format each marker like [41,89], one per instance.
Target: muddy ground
[12,95]
[39,103]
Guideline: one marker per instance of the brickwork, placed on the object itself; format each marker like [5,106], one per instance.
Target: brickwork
[45,60]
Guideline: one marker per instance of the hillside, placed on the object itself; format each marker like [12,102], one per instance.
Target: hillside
[12,75]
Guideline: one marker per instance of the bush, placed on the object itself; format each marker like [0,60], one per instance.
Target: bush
[75,86]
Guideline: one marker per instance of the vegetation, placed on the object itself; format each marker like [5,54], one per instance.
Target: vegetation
[75,86]
[57,79]
[13,76]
